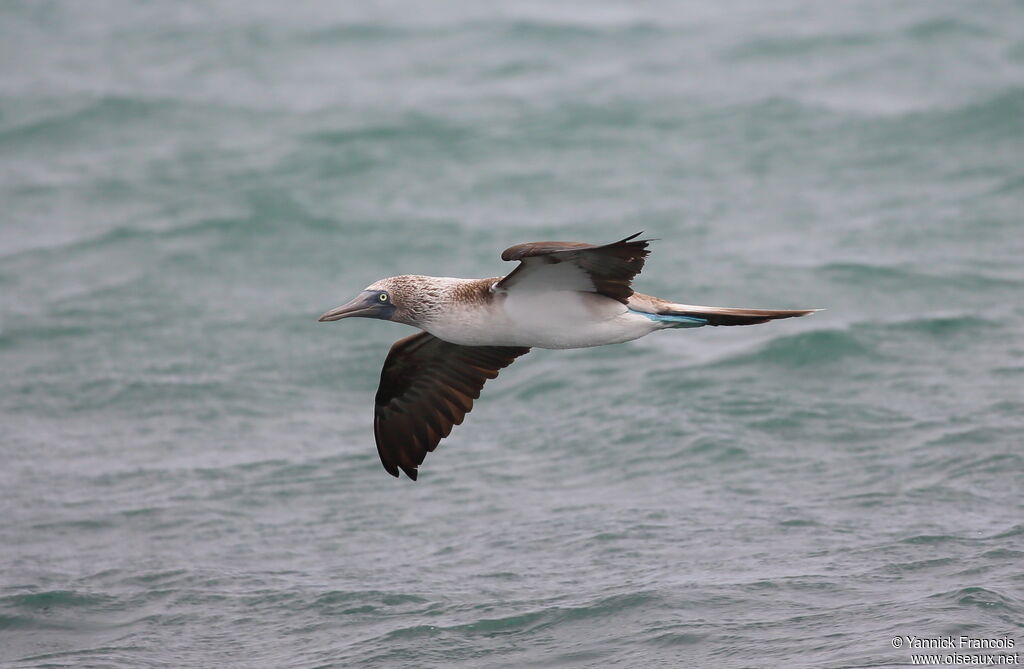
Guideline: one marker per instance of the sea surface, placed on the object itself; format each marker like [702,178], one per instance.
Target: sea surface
[188,476]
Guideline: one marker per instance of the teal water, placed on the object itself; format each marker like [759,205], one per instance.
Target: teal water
[189,477]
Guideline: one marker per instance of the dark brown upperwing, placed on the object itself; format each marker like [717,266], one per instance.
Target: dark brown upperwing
[427,386]
[610,267]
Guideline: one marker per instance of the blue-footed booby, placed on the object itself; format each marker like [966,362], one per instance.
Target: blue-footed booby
[561,295]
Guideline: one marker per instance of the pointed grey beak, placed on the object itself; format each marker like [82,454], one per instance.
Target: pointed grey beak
[354,308]
[365,305]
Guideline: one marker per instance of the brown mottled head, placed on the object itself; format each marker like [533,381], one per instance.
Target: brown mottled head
[398,298]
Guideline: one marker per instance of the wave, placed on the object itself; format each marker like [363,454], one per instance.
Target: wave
[417,127]
[359,32]
[798,46]
[807,349]
[999,117]
[859,341]
[533,621]
[51,599]
[557,31]
[1010,186]
[79,117]
[494,31]
[48,610]
[145,396]
[1002,115]
[801,46]
[887,276]
[269,212]
[17,336]
[109,110]
[977,596]
[362,596]
[934,29]
[1015,531]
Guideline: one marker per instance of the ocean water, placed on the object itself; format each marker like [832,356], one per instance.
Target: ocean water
[188,471]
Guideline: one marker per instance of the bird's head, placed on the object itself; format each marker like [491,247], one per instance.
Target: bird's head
[384,299]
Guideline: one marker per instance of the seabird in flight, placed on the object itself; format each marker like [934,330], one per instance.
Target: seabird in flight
[561,295]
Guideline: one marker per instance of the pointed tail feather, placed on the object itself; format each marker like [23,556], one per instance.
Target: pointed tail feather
[731,316]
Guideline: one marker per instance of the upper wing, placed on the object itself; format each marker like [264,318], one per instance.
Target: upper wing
[427,386]
[606,269]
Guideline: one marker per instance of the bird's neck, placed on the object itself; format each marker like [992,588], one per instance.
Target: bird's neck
[428,298]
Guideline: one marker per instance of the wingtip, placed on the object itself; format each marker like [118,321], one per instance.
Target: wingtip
[635,235]
[395,468]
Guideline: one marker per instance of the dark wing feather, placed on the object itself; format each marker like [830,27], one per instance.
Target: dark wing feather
[731,316]
[427,386]
[606,269]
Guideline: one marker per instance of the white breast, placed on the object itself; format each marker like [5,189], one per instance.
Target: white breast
[542,319]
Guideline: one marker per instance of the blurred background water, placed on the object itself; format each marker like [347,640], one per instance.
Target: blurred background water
[189,476]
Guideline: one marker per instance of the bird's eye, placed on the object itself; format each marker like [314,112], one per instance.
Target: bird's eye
[383,297]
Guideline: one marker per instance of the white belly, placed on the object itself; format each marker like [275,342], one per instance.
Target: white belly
[549,319]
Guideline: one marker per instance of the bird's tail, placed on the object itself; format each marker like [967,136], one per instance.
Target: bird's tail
[725,315]
[691,315]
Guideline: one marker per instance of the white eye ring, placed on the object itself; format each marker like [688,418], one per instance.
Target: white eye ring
[383,297]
